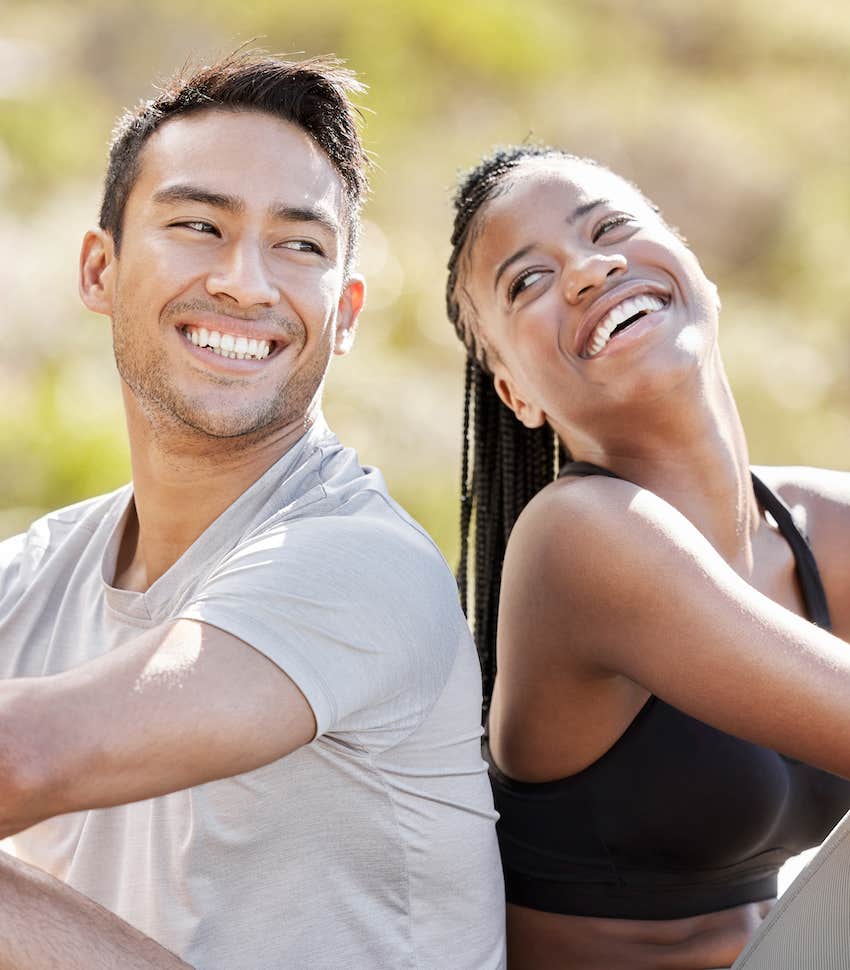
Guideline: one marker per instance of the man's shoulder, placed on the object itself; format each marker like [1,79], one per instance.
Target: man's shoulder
[341,535]
[340,501]
[362,540]
[58,537]
[50,529]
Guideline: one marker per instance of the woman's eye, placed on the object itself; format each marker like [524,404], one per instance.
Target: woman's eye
[609,223]
[523,281]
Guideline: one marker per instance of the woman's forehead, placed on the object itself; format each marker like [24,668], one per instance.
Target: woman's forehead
[546,193]
[559,186]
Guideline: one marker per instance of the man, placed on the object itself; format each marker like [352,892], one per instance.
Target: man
[244,713]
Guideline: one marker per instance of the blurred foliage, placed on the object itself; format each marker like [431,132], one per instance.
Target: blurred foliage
[733,116]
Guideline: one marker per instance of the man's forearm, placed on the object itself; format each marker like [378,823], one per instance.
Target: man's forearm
[46,925]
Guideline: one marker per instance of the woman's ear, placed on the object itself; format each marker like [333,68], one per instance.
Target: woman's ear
[97,270]
[529,414]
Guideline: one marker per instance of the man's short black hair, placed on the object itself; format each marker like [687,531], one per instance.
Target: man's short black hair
[312,94]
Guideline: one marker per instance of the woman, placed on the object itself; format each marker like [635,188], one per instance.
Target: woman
[656,644]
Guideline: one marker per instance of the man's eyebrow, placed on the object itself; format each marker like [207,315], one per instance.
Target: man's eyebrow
[290,213]
[230,203]
[194,193]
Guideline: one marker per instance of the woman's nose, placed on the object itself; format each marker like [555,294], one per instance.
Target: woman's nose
[591,272]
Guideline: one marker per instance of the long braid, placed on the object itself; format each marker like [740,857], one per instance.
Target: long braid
[466,490]
[504,464]
[510,463]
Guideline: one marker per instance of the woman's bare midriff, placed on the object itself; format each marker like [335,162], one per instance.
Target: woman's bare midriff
[550,941]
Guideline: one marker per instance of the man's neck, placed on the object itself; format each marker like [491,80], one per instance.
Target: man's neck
[182,482]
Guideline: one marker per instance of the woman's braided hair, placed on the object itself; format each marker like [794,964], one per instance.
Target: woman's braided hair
[504,464]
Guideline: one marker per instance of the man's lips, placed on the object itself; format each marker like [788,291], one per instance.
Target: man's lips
[614,311]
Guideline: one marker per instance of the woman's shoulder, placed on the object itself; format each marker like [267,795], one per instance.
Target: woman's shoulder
[819,500]
[800,484]
[586,549]
[592,511]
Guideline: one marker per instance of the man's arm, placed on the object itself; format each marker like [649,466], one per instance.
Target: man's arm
[45,924]
[177,706]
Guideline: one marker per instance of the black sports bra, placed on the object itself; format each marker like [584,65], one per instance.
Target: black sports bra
[677,818]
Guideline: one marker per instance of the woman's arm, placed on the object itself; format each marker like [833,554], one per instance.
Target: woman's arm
[609,593]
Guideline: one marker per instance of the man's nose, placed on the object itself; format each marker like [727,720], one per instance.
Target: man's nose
[591,271]
[241,274]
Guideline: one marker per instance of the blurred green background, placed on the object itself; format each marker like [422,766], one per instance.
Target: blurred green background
[732,114]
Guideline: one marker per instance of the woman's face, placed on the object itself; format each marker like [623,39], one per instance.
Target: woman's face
[582,296]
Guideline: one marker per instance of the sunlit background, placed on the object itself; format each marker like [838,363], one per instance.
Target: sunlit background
[732,115]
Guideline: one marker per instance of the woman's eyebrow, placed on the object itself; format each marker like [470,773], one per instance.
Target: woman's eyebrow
[510,261]
[577,213]
[584,208]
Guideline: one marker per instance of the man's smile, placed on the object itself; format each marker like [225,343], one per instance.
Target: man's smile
[230,345]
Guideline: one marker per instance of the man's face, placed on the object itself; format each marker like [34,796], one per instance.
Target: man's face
[228,295]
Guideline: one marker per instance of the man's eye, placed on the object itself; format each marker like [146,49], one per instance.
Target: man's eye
[609,223]
[197,225]
[523,281]
[301,246]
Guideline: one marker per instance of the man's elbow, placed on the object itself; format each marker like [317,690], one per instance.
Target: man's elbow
[30,761]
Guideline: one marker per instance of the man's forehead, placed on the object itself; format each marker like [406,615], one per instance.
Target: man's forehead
[239,151]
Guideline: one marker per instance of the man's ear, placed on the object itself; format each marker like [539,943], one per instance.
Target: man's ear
[97,270]
[350,304]
[529,414]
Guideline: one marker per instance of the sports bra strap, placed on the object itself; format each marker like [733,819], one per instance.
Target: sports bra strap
[807,569]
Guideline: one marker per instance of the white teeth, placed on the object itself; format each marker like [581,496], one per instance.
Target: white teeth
[647,302]
[228,345]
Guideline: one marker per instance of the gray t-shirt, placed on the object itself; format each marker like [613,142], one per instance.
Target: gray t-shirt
[371,847]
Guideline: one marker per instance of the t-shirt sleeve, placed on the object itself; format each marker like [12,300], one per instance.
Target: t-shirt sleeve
[362,615]
[12,553]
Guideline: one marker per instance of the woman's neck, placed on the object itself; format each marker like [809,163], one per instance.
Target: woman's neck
[690,449]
